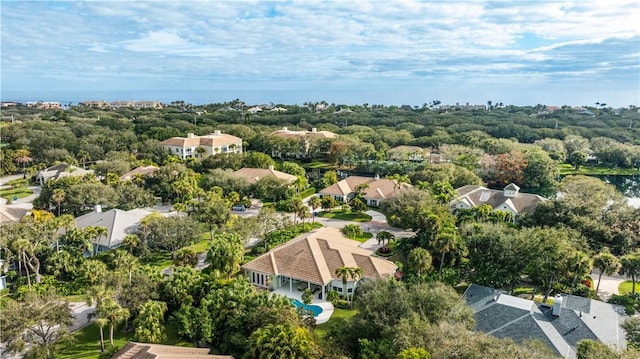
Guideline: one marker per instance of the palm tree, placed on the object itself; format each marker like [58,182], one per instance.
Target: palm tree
[58,197]
[113,313]
[419,259]
[94,234]
[445,243]
[125,261]
[22,157]
[282,341]
[606,263]
[343,273]
[630,266]
[101,323]
[83,156]
[303,213]
[295,206]
[315,202]
[385,237]
[355,273]
[20,247]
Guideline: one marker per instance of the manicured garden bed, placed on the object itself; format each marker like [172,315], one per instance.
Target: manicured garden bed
[365,236]
[347,216]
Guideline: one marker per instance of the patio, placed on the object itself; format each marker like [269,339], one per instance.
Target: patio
[327,308]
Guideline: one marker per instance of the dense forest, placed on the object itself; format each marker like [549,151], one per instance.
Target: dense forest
[585,224]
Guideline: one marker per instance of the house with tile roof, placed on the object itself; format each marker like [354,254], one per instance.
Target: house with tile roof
[59,171]
[139,171]
[133,350]
[377,189]
[253,175]
[509,199]
[310,261]
[211,144]
[560,326]
[118,223]
[314,133]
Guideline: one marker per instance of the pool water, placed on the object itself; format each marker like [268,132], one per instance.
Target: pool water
[316,310]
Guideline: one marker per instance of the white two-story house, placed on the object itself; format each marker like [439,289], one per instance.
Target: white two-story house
[194,146]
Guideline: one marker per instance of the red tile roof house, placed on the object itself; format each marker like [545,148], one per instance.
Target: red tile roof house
[310,261]
[377,191]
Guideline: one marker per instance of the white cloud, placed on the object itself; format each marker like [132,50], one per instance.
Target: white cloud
[262,41]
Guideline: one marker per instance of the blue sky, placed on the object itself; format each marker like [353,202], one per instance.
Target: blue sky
[347,52]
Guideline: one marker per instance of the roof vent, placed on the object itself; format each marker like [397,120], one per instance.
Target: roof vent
[557,305]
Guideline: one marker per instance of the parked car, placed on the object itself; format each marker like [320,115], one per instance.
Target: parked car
[240,208]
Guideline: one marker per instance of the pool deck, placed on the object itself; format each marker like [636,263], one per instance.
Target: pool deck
[327,308]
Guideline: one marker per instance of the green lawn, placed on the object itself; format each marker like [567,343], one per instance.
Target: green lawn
[625,287]
[364,237]
[87,341]
[352,216]
[338,314]
[19,192]
[567,169]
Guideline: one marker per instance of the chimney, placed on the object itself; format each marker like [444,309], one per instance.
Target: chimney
[190,135]
[284,129]
[557,305]
[98,208]
[217,132]
[314,130]
[271,167]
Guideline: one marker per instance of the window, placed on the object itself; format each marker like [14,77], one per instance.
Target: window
[337,289]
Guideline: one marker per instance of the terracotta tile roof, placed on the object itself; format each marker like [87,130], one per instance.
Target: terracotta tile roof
[472,195]
[252,175]
[285,132]
[133,350]
[142,170]
[409,149]
[314,257]
[213,139]
[381,188]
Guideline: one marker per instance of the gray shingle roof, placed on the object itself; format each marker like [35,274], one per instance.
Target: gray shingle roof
[506,316]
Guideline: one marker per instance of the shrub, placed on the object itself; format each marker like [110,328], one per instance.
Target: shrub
[307,192]
[342,304]
[352,231]
[631,303]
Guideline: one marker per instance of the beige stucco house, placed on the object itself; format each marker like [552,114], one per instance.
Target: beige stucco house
[310,261]
[212,144]
[377,189]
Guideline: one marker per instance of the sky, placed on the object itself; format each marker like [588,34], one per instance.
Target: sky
[390,52]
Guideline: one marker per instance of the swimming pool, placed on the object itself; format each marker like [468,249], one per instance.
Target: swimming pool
[316,310]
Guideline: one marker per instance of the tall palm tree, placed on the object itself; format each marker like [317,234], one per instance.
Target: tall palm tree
[94,233]
[419,259]
[22,157]
[315,202]
[125,261]
[101,323]
[58,197]
[356,274]
[606,263]
[113,313]
[296,205]
[343,273]
[630,266]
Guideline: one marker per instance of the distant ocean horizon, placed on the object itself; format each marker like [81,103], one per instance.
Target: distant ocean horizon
[203,97]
